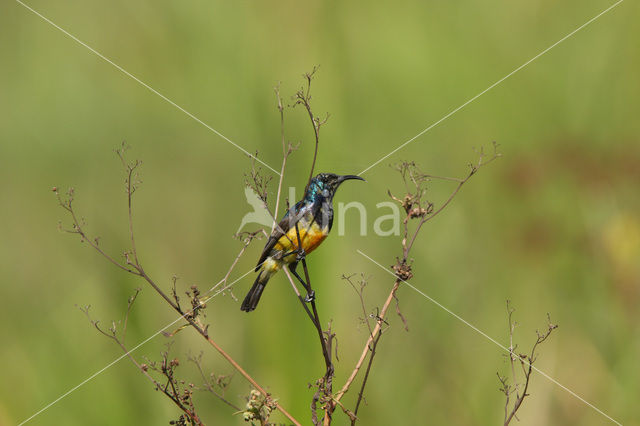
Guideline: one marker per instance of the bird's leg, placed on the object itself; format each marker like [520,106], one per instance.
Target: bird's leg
[299,252]
[301,255]
[311,294]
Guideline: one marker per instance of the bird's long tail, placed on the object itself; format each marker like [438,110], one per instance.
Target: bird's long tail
[253,296]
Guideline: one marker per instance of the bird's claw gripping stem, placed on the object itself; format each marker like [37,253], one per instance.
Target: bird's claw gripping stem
[301,255]
[310,297]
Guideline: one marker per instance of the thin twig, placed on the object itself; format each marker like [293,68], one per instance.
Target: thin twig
[360,292]
[316,320]
[303,97]
[366,376]
[526,363]
[134,267]
[285,154]
[130,303]
[369,341]
[416,208]
[208,386]
[173,395]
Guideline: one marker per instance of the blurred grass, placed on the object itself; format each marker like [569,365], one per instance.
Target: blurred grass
[554,225]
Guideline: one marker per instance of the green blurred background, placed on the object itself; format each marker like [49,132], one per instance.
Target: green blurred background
[553,225]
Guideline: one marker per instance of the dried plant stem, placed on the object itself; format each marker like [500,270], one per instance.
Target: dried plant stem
[316,318]
[172,394]
[526,363]
[366,377]
[473,170]
[360,291]
[133,266]
[205,334]
[285,154]
[250,236]
[416,208]
[325,384]
[303,97]
[316,129]
[367,347]
[209,387]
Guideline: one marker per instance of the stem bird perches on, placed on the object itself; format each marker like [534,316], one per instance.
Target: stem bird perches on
[326,352]
[303,97]
[256,182]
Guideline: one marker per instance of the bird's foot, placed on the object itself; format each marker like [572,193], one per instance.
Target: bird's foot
[289,253]
[310,297]
[301,255]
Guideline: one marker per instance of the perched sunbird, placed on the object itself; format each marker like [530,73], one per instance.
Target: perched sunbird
[313,218]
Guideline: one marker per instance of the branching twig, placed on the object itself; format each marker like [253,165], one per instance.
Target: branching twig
[526,363]
[130,303]
[325,383]
[326,337]
[303,97]
[133,265]
[256,180]
[416,206]
[181,398]
[366,377]
[379,321]
[287,149]
[359,289]
[210,383]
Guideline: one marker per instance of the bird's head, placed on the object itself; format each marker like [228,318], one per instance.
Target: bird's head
[326,184]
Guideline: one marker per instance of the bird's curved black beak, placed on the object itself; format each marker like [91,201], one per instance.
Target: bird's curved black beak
[348,177]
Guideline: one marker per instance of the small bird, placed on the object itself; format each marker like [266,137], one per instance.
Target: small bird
[310,219]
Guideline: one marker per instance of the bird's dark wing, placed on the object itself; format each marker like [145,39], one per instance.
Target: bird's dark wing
[277,233]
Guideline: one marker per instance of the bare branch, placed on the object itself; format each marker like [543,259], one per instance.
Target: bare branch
[133,266]
[417,207]
[181,398]
[303,97]
[526,363]
[287,149]
[256,180]
[210,383]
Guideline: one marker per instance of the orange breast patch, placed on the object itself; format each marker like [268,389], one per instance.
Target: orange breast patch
[310,237]
[313,239]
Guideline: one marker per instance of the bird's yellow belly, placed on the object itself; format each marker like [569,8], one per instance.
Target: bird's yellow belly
[310,238]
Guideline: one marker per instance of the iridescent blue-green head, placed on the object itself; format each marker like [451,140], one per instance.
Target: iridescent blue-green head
[325,185]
